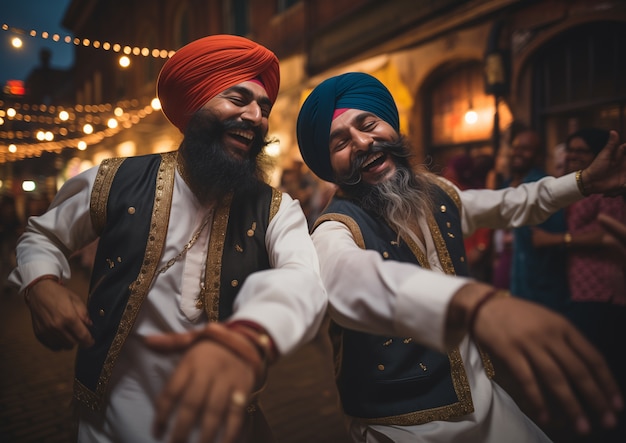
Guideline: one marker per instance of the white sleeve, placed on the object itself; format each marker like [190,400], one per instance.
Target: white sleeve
[49,239]
[288,299]
[526,204]
[383,297]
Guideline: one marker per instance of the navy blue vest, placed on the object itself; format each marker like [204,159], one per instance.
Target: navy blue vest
[130,208]
[393,380]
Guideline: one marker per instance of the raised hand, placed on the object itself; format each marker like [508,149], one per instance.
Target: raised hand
[607,172]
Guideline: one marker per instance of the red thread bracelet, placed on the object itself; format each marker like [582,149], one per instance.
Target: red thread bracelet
[244,349]
[258,336]
[488,296]
[37,280]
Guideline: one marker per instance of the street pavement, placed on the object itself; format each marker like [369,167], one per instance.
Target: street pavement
[300,400]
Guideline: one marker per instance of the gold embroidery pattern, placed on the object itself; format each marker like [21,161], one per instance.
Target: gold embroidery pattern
[448,189]
[213,272]
[100,192]
[464,405]
[277,198]
[440,246]
[346,220]
[139,288]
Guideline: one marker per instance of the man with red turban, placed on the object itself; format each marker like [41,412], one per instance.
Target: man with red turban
[203,276]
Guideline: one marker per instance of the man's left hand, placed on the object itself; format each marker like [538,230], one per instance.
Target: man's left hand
[607,172]
[209,389]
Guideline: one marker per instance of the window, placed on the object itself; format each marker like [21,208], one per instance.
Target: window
[576,81]
[460,114]
[237,13]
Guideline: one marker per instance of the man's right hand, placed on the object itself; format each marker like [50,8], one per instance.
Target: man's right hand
[59,316]
[557,369]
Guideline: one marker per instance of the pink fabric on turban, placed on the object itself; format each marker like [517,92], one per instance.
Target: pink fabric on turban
[202,69]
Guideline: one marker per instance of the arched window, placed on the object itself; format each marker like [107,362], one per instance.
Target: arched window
[459,115]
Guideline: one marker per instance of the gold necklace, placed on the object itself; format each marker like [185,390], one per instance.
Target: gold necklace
[188,246]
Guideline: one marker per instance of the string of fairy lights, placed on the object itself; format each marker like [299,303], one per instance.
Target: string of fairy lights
[75,126]
[95,44]
[59,127]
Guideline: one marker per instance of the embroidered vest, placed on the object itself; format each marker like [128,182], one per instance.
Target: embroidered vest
[393,380]
[130,209]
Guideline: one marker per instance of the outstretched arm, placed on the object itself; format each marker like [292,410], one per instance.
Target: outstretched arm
[556,368]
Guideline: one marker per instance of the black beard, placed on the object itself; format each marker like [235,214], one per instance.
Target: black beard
[210,171]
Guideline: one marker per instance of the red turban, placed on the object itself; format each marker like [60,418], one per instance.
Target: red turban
[202,69]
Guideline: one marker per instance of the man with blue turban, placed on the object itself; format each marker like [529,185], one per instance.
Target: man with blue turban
[204,274]
[414,335]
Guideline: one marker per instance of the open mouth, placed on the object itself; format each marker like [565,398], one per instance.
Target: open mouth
[373,161]
[243,137]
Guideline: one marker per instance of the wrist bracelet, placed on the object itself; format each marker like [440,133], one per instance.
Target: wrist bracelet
[257,336]
[579,182]
[243,349]
[495,292]
[37,280]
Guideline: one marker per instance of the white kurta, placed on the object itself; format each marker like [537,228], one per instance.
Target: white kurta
[386,297]
[288,300]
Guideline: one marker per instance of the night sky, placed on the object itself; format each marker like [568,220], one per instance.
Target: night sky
[38,15]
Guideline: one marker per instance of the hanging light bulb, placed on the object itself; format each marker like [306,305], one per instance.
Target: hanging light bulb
[471,116]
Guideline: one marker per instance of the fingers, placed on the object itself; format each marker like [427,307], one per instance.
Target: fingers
[168,399]
[60,319]
[526,380]
[207,393]
[600,389]
[235,416]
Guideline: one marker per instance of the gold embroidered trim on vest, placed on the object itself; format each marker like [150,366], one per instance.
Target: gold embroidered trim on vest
[440,245]
[277,197]
[464,405]
[449,189]
[100,192]
[213,270]
[346,220]
[139,288]
[446,262]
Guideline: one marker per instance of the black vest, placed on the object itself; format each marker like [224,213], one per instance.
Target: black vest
[130,208]
[393,380]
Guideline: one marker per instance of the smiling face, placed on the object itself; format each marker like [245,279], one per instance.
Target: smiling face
[578,155]
[352,135]
[223,142]
[525,152]
[246,103]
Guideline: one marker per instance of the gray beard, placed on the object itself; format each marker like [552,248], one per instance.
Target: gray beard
[401,201]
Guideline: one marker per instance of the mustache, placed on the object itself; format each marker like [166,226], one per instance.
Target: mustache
[395,148]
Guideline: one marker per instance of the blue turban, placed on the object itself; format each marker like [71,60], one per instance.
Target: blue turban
[354,90]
